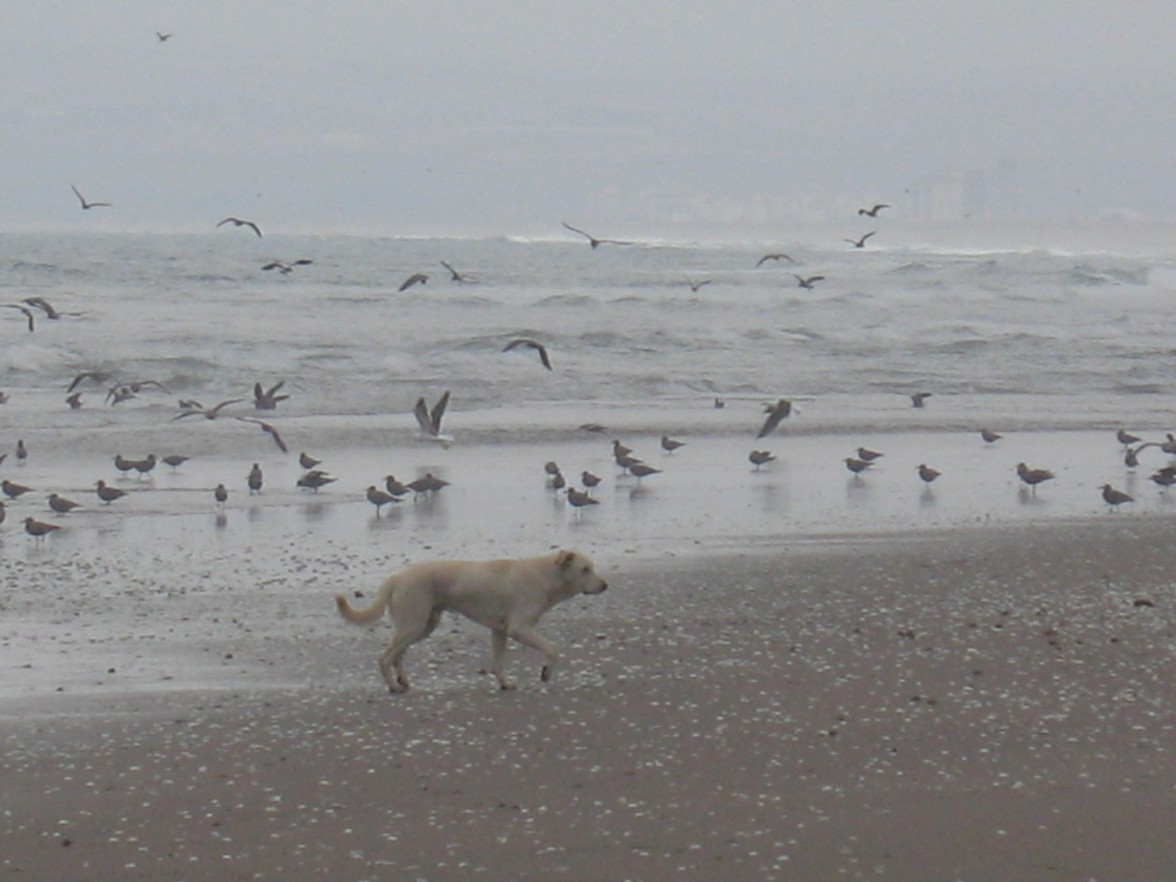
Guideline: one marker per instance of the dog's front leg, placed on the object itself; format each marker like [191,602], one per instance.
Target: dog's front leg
[528,636]
[498,657]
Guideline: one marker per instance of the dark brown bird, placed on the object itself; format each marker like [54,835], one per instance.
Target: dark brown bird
[669,445]
[39,529]
[237,222]
[1114,498]
[22,452]
[694,286]
[989,436]
[928,474]
[45,306]
[74,400]
[455,276]
[209,413]
[108,494]
[918,399]
[175,460]
[163,38]
[861,243]
[379,498]
[268,429]
[531,344]
[395,487]
[220,494]
[640,470]
[776,412]
[1126,438]
[760,457]
[254,479]
[414,279]
[268,399]
[28,314]
[808,282]
[774,256]
[1033,477]
[592,240]
[589,480]
[430,483]
[873,212]
[286,268]
[868,455]
[857,466]
[313,480]
[579,499]
[86,206]
[13,490]
[307,461]
[61,505]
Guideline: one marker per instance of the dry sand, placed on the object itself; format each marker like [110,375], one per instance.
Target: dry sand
[986,705]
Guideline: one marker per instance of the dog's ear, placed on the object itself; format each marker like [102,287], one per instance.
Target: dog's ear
[564,559]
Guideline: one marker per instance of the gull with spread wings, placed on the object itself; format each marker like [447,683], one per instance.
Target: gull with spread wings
[86,206]
[531,344]
[238,222]
[592,240]
[430,420]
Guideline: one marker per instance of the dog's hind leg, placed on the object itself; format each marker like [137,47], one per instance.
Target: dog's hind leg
[498,656]
[528,636]
[392,661]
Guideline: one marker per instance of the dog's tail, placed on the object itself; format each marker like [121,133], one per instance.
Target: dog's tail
[371,613]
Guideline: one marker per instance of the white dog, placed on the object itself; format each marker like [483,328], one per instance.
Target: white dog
[507,596]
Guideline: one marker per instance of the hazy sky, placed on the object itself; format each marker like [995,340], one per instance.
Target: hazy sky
[507,116]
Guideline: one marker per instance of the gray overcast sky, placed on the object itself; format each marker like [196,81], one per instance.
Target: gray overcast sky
[506,116]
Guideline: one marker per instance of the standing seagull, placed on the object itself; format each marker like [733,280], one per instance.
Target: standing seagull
[669,445]
[989,436]
[531,344]
[237,222]
[39,529]
[86,206]
[873,212]
[927,473]
[776,412]
[254,479]
[592,240]
[861,243]
[1114,498]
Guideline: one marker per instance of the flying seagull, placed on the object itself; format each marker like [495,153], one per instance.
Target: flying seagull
[210,413]
[592,240]
[775,413]
[808,281]
[267,399]
[269,430]
[287,268]
[163,38]
[88,205]
[861,243]
[873,212]
[237,222]
[28,313]
[430,420]
[774,256]
[455,276]
[44,305]
[414,279]
[533,344]
[694,286]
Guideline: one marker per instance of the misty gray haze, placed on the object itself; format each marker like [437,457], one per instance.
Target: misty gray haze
[639,118]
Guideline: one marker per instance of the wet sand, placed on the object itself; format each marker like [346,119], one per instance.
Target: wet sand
[973,703]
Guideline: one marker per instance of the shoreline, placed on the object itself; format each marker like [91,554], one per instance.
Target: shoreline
[985,704]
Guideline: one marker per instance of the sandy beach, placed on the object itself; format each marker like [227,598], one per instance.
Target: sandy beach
[984,704]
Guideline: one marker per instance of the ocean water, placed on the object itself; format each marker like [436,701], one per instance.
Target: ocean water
[1034,338]
[1057,350]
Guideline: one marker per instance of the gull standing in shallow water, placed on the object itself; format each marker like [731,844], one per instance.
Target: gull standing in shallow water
[1033,477]
[1114,498]
[760,457]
